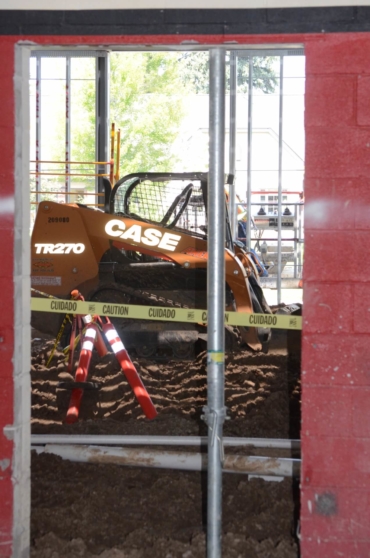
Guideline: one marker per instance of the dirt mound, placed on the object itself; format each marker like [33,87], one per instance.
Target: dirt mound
[108,511]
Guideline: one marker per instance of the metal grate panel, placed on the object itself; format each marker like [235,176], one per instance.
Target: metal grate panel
[173,203]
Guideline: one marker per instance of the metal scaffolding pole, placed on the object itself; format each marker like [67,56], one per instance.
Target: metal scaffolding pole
[280,182]
[102,134]
[38,156]
[68,131]
[214,413]
[232,143]
[249,175]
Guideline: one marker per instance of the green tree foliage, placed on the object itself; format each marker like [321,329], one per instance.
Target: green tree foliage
[145,104]
[195,73]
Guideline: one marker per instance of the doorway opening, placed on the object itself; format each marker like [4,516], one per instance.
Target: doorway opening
[262,390]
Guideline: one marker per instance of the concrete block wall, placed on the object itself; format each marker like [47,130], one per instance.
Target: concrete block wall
[335,510]
[336,337]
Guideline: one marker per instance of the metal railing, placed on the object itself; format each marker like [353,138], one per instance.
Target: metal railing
[265,231]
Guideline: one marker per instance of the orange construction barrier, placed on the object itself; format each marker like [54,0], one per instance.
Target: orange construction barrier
[91,338]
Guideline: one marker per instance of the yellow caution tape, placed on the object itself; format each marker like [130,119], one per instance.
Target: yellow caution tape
[160,313]
[43,294]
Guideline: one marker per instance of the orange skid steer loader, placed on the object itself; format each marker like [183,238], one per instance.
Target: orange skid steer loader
[148,247]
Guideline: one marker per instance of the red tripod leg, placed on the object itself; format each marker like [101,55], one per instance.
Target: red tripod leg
[81,372]
[129,370]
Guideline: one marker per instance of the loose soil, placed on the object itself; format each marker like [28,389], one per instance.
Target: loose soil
[110,511]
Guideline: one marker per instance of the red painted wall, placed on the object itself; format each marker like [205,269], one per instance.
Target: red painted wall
[6,290]
[335,514]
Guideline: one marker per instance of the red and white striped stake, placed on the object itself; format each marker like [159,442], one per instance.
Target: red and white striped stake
[82,372]
[129,370]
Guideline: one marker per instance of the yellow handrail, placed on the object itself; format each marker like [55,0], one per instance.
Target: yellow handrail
[75,162]
[65,174]
[64,193]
